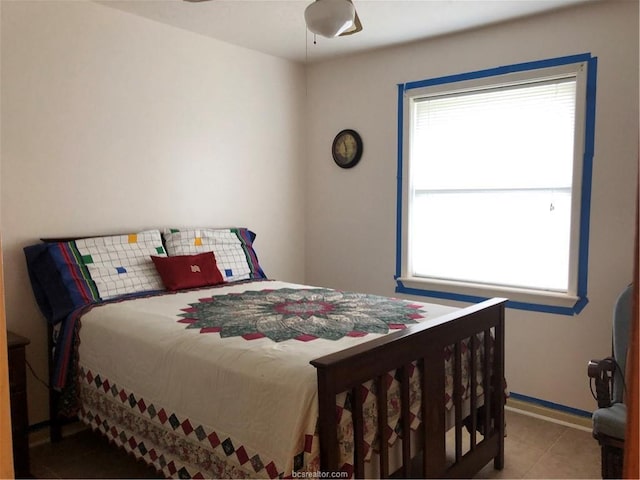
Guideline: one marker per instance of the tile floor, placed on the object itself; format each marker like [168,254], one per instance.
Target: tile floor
[534,448]
[537,448]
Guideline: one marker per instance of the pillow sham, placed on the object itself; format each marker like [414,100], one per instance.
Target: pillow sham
[233,249]
[66,275]
[60,281]
[121,264]
[188,271]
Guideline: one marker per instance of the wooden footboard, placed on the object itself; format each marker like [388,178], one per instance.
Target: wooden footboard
[423,345]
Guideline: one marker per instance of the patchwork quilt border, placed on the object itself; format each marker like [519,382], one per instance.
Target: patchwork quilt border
[170,444]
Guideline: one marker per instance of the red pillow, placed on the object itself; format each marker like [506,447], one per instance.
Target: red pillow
[188,271]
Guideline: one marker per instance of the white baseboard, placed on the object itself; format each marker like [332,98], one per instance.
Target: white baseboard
[549,414]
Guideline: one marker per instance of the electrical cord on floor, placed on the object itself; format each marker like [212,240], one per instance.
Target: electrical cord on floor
[35,375]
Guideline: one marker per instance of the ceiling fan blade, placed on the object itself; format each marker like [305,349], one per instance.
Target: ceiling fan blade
[357,25]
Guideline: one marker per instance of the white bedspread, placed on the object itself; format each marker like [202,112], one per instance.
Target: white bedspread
[259,392]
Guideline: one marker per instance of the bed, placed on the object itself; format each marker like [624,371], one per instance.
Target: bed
[240,376]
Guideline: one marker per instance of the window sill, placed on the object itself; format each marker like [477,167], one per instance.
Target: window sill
[519,298]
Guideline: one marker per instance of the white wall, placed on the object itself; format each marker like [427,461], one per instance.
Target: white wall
[351,214]
[111,122]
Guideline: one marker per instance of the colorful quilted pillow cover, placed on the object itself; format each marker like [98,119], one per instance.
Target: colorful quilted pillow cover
[121,264]
[232,247]
[69,275]
[61,283]
[188,271]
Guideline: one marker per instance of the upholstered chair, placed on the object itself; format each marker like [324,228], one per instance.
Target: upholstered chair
[609,420]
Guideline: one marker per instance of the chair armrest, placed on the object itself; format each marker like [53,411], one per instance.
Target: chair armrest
[602,372]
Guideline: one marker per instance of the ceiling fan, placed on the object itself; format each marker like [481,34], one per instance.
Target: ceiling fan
[329,18]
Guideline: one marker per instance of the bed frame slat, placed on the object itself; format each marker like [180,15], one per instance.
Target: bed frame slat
[457,398]
[498,391]
[358,431]
[406,420]
[486,382]
[383,421]
[473,402]
[424,425]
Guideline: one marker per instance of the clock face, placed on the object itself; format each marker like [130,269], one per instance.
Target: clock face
[347,148]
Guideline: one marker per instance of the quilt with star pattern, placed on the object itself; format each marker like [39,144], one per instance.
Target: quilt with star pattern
[216,382]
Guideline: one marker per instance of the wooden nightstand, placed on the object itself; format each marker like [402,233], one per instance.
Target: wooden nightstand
[18,392]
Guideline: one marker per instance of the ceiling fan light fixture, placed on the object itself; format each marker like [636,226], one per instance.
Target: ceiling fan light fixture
[330,18]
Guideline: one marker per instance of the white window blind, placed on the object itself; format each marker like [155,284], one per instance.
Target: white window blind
[498,162]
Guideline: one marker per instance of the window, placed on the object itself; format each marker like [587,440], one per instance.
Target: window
[494,184]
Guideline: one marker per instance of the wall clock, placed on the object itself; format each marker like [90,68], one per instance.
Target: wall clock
[347,148]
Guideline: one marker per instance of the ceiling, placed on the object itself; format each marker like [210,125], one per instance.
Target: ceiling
[276,27]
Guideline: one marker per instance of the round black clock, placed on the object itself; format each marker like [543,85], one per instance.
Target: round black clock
[347,148]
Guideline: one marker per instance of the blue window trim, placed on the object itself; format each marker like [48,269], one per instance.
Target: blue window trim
[587,170]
